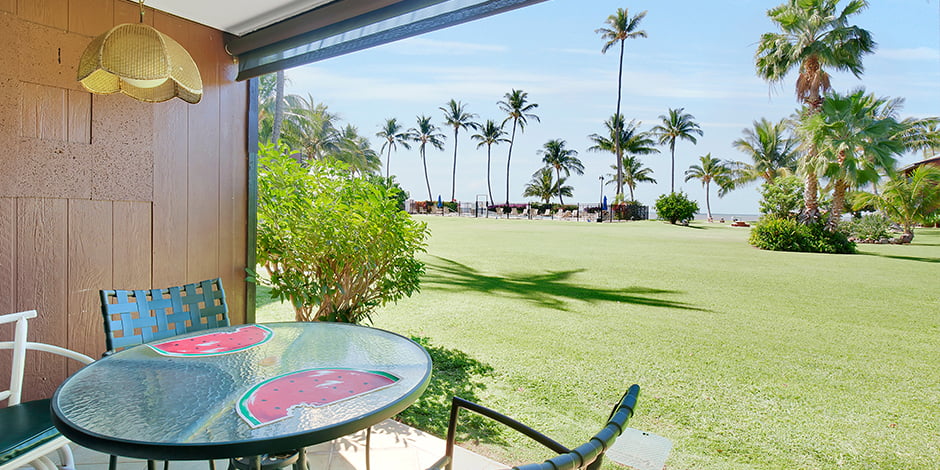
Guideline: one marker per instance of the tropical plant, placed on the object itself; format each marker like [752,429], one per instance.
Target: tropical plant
[490,134]
[853,142]
[676,125]
[782,197]
[394,135]
[790,235]
[426,133]
[676,207]
[773,153]
[543,186]
[633,173]
[335,246]
[356,152]
[908,200]
[457,116]
[869,228]
[271,106]
[518,109]
[620,27]
[310,128]
[813,36]
[711,170]
[556,156]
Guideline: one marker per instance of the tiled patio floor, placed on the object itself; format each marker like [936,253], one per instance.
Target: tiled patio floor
[394,447]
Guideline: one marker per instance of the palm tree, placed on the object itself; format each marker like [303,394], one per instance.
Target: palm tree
[632,142]
[711,170]
[356,151]
[271,106]
[620,28]
[310,128]
[519,110]
[556,156]
[394,136]
[544,186]
[633,173]
[854,141]
[676,125]
[426,133]
[491,134]
[456,116]
[772,152]
[908,199]
[813,36]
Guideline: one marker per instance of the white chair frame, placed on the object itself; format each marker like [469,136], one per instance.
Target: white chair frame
[37,458]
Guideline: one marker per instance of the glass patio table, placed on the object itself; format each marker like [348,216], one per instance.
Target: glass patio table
[242,390]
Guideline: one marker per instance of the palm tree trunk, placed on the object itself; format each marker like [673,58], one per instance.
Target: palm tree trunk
[453,178]
[388,164]
[618,121]
[278,107]
[489,188]
[672,180]
[561,200]
[512,140]
[708,204]
[838,201]
[426,180]
[631,192]
[810,214]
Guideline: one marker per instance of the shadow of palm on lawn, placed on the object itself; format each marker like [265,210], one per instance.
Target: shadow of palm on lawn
[552,289]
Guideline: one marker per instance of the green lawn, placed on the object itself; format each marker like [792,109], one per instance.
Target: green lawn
[747,359]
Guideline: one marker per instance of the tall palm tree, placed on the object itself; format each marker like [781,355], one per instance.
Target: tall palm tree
[813,37]
[632,141]
[272,106]
[773,153]
[854,142]
[518,109]
[310,128]
[394,136]
[620,27]
[676,125]
[356,151]
[633,173]
[426,133]
[711,170]
[456,116]
[491,134]
[543,185]
[555,155]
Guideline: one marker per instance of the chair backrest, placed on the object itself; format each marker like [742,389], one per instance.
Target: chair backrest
[133,317]
[20,345]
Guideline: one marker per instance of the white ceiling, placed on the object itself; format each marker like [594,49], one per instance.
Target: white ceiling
[238,17]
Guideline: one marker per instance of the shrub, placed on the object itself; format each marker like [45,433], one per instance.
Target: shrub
[630,210]
[869,227]
[785,234]
[676,207]
[781,198]
[335,246]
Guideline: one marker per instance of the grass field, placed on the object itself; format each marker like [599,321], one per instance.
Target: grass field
[747,359]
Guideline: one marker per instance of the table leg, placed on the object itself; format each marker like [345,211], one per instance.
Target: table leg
[301,463]
[368,447]
[112,462]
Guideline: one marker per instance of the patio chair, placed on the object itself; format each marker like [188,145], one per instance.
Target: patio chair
[28,435]
[133,317]
[587,456]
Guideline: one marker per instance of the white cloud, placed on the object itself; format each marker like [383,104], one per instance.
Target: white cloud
[917,53]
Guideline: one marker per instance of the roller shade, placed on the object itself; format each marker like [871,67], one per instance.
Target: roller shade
[345,26]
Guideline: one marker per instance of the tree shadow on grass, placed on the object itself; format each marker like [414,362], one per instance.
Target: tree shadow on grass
[905,258]
[263,296]
[552,289]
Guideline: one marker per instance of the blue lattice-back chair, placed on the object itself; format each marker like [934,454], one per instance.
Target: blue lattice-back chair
[27,435]
[133,317]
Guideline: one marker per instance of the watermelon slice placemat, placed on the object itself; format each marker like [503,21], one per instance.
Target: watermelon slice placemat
[272,399]
[214,344]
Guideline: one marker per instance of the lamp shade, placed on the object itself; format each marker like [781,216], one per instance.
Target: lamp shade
[141,62]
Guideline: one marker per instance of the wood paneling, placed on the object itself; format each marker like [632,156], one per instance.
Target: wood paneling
[7,255]
[170,180]
[91,17]
[44,112]
[89,270]
[41,284]
[8,5]
[79,117]
[53,13]
[131,234]
[129,12]
[234,170]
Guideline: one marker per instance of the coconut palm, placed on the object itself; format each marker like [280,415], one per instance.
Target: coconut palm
[556,156]
[711,170]
[676,125]
[854,142]
[310,128]
[632,141]
[813,37]
[518,109]
[490,134]
[456,116]
[426,133]
[908,199]
[356,151]
[633,173]
[773,153]
[543,185]
[394,135]
[620,27]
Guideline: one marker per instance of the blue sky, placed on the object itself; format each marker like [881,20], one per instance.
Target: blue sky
[698,56]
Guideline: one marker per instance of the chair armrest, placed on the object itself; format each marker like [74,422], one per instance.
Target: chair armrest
[30,345]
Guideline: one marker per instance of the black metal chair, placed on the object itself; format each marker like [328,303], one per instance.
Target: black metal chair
[134,317]
[587,456]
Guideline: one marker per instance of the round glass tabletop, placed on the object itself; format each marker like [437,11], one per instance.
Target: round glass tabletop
[187,399]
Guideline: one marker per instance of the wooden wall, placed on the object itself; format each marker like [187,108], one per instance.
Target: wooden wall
[104,192]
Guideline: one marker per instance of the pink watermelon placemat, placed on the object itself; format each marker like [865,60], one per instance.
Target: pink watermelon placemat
[214,344]
[272,399]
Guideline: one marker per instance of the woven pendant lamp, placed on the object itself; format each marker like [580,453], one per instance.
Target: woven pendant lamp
[141,62]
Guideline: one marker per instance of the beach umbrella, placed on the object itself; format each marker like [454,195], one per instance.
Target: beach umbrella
[439,202]
[604,204]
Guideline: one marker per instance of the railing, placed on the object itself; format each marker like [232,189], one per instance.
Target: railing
[577,212]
